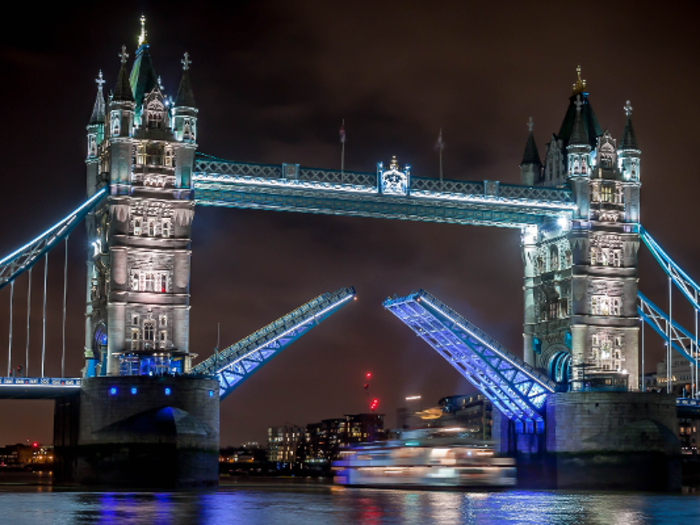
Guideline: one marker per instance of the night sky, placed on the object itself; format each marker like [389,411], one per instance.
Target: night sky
[272,81]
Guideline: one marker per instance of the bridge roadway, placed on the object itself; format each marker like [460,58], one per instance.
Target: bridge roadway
[38,387]
[289,187]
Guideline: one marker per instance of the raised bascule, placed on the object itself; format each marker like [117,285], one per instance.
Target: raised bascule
[142,414]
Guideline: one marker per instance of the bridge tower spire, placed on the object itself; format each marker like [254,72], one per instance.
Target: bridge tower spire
[581,322]
[139,272]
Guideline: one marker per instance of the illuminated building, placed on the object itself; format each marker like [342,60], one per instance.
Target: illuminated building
[283,444]
[581,321]
[142,143]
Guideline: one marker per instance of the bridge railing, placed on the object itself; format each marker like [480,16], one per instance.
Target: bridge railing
[419,186]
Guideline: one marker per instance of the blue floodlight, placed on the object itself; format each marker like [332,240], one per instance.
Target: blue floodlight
[167,391]
[133,390]
[211,393]
[113,391]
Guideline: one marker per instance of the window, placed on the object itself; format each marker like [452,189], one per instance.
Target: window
[149,331]
[135,319]
[162,338]
[617,258]
[148,282]
[165,228]
[141,154]
[594,256]
[169,158]
[163,282]
[151,227]
[134,338]
[163,320]
[606,194]
[553,309]
[135,284]
[137,225]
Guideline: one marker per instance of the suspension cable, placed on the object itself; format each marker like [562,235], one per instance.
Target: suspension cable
[65,293]
[43,329]
[29,312]
[669,351]
[9,351]
[644,385]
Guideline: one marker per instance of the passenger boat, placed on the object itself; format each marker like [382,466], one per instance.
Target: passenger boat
[428,458]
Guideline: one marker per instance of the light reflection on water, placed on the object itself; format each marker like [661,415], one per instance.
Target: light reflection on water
[322,505]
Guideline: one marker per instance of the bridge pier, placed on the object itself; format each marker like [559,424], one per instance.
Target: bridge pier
[139,432]
[599,441]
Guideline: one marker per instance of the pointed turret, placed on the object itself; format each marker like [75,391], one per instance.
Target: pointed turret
[531,165]
[98,110]
[122,91]
[184,111]
[185,96]
[590,121]
[96,126]
[628,152]
[579,149]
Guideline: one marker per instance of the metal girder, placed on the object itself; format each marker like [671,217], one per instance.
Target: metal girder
[682,280]
[25,257]
[681,340]
[37,387]
[292,188]
[514,387]
[236,363]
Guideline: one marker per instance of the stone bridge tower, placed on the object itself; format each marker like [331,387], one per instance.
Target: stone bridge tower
[141,144]
[581,324]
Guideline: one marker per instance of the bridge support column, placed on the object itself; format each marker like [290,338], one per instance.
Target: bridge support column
[140,431]
[599,440]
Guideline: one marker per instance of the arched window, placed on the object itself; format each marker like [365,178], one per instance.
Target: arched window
[553,258]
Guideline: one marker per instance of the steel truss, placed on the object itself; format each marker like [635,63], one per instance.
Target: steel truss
[681,340]
[37,387]
[514,387]
[25,257]
[689,288]
[236,363]
[292,188]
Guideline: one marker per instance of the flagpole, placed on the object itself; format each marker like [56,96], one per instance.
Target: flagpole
[342,153]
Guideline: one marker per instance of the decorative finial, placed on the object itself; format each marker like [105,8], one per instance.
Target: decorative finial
[394,163]
[160,83]
[628,109]
[142,36]
[186,61]
[580,84]
[530,124]
[578,104]
[100,81]
[123,55]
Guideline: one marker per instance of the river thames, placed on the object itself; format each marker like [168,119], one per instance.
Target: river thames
[299,502]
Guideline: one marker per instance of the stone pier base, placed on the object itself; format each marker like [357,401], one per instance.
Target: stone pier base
[140,432]
[599,441]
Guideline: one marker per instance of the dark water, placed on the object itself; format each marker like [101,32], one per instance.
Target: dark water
[312,503]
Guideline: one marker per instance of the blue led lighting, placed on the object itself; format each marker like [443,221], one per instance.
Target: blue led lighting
[167,391]
[211,393]
[113,391]
[133,390]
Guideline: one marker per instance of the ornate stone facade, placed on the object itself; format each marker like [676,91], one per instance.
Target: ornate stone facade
[142,145]
[581,323]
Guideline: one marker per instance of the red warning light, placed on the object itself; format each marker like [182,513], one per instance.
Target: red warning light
[368,375]
[35,444]
[375,403]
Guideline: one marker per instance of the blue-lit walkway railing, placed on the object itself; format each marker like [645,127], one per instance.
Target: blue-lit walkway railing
[514,387]
[289,187]
[37,387]
[25,257]
[236,363]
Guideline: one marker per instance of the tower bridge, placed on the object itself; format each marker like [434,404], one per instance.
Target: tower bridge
[579,217]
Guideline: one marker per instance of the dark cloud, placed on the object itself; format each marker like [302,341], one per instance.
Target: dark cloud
[273,80]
